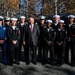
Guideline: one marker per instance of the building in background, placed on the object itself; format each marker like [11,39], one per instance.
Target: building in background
[22,7]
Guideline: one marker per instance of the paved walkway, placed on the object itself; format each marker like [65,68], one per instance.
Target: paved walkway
[38,69]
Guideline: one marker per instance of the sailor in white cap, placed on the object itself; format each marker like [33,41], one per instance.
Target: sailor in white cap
[13,34]
[56,18]
[49,35]
[60,45]
[70,26]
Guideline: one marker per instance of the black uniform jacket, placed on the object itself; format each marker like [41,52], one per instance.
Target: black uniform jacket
[61,35]
[49,35]
[13,34]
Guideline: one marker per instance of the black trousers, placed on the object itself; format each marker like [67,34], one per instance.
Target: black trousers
[60,53]
[14,50]
[73,54]
[20,48]
[4,56]
[55,51]
[48,49]
[69,46]
[40,52]
[30,53]
[7,50]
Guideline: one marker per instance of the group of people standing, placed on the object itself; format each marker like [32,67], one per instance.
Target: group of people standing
[46,41]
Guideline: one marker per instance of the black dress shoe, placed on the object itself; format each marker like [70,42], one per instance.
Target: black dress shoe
[27,63]
[10,64]
[43,63]
[16,62]
[34,63]
[51,63]
[5,63]
[55,63]
[59,65]
[72,65]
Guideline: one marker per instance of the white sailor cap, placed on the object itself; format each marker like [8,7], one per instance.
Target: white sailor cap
[1,17]
[42,17]
[22,17]
[71,16]
[14,19]
[56,16]
[61,21]
[49,21]
[7,18]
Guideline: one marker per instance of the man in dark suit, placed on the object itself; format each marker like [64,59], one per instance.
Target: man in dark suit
[13,34]
[30,40]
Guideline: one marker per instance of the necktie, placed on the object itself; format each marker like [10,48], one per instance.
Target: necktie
[31,28]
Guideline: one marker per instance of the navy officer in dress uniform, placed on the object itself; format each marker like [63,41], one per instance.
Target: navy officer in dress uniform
[7,24]
[21,25]
[13,33]
[3,40]
[40,43]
